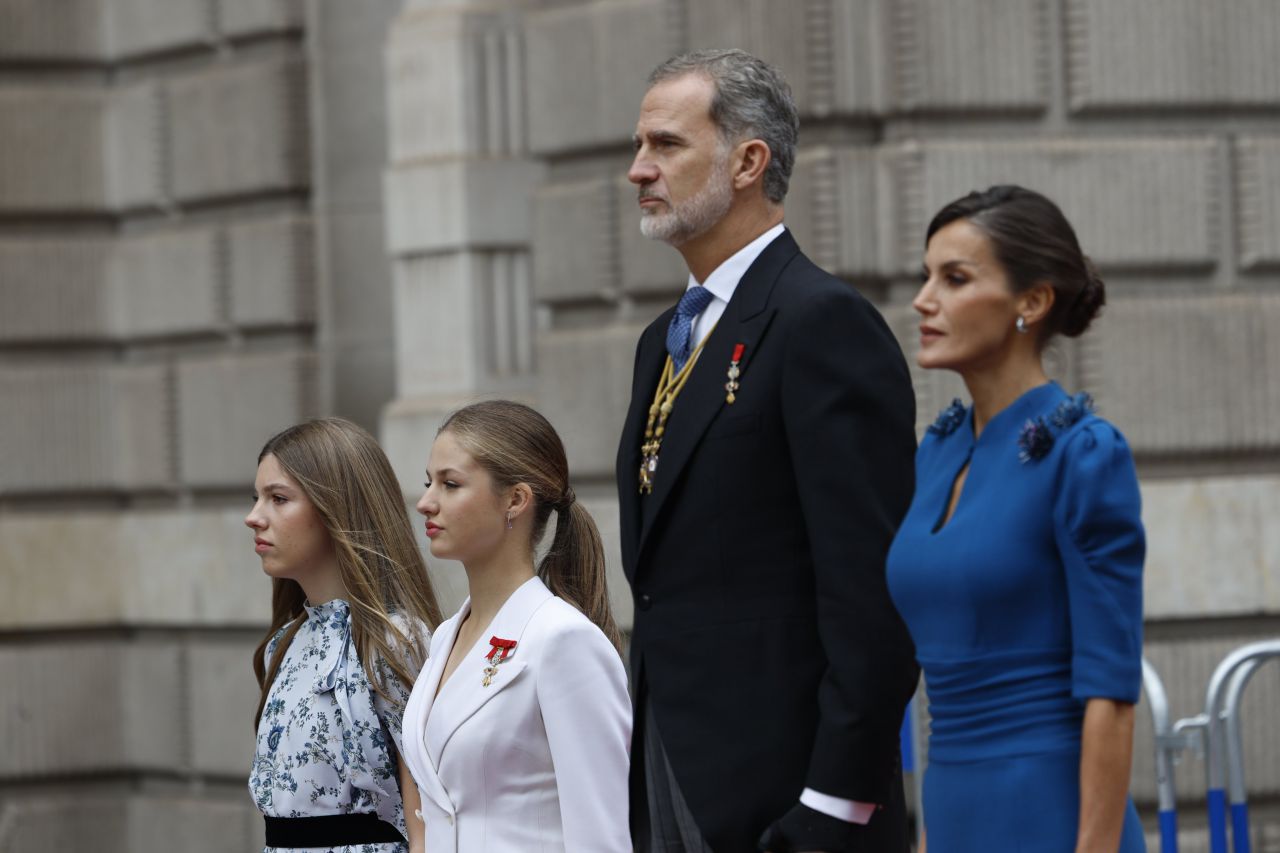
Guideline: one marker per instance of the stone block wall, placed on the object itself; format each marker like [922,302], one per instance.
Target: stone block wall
[158,322]
[1155,125]
[192,257]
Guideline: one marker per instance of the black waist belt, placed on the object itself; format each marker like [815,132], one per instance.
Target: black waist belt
[334,830]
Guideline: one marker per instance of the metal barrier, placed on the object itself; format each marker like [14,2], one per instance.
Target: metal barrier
[1168,744]
[1225,747]
[1237,797]
[1216,732]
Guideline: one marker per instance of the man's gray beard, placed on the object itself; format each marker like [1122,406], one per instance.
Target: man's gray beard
[695,217]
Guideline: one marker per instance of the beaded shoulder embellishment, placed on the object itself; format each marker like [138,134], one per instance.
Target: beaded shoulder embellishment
[1071,410]
[949,419]
[1035,439]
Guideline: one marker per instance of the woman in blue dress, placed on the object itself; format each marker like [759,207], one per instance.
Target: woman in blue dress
[352,609]
[1018,568]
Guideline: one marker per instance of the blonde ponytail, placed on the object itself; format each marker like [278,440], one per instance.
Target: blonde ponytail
[574,568]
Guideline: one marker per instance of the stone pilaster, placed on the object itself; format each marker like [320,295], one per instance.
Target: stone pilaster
[458,204]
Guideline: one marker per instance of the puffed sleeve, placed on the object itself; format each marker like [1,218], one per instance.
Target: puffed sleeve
[582,693]
[1098,526]
[391,713]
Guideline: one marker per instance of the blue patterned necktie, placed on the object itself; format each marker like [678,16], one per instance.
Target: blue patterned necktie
[679,345]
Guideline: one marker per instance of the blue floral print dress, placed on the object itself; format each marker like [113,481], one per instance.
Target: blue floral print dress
[327,741]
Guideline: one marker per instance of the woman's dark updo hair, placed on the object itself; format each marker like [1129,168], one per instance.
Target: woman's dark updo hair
[1034,242]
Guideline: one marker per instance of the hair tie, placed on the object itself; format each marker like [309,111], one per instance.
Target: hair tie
[566,500]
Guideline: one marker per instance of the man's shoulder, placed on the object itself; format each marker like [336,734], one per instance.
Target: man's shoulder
[803,283]
[802,266]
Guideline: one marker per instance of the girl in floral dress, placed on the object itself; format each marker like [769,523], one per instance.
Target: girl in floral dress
[352,609]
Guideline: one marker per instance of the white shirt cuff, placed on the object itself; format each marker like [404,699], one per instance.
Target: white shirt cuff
[851,811]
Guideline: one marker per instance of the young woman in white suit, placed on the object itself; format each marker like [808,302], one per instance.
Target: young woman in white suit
[518,730]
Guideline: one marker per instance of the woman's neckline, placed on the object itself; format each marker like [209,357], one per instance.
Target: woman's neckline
[1027,402]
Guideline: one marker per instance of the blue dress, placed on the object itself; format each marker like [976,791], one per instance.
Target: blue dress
[328,743]
[1024,605]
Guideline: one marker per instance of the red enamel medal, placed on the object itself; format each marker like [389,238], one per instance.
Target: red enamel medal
[734,372]
[497,654]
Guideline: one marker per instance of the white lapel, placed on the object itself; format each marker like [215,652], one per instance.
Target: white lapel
[465,692]
[418,709]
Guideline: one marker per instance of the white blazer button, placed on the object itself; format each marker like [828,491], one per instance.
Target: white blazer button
[450,819]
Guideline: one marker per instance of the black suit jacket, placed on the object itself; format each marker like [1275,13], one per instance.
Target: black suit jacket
[764,637]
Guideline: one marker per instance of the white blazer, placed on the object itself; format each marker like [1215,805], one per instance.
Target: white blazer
[536,761]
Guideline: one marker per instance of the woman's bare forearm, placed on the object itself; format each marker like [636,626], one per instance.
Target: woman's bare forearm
[1105,756]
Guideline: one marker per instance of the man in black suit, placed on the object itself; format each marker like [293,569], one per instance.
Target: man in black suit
[765,463]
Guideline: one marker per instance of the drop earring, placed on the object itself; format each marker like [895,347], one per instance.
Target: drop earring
[508,521]
[1021,325]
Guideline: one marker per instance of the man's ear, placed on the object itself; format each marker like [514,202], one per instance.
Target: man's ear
[750,159]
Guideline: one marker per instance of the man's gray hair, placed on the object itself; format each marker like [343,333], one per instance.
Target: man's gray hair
[752,101]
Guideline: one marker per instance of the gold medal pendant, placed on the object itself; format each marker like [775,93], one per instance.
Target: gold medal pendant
[652,443]
[648,465]
[664,399]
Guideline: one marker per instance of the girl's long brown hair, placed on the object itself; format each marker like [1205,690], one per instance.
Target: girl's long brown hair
[516,444]
[349,481]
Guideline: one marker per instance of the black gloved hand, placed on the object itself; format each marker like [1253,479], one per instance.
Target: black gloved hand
[803,829]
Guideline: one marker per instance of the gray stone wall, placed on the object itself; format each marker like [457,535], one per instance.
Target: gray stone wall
[192,256]
[220,216]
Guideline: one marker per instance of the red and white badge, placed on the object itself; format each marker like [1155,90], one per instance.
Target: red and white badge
[498,654]
[732,385]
